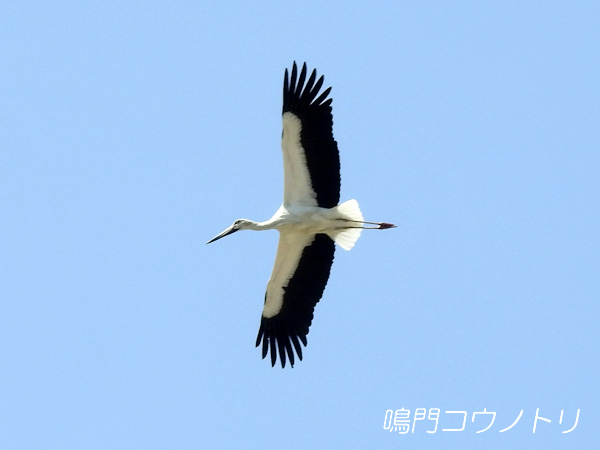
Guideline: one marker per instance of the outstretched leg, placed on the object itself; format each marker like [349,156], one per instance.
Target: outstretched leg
[380,225]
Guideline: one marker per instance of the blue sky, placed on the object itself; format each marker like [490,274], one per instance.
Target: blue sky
[133,132]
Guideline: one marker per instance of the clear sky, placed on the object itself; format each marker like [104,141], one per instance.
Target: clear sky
[133,132]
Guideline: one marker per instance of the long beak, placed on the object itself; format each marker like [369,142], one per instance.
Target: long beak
[227,232]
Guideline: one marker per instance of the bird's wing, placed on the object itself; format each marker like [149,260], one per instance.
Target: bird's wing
[311,160]
[297,283]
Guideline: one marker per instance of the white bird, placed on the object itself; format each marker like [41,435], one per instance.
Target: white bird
[309,220]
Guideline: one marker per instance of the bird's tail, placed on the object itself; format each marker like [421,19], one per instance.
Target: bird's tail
[347,237]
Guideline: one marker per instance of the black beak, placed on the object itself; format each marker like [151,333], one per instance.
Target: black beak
[227,232]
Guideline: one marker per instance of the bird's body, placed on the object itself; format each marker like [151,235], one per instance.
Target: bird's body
[309,220]
[306,219]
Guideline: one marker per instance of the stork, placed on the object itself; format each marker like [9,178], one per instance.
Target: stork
[309,221]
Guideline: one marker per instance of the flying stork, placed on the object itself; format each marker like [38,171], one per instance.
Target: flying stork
[309,221]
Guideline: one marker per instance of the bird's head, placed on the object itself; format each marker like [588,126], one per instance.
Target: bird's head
[240,224]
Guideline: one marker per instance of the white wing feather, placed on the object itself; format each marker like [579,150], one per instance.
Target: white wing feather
[297,188]
[289,251]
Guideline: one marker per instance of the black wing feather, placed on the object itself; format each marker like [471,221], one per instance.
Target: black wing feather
[321,151]
[302,293]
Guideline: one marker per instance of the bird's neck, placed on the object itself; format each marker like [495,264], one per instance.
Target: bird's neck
[257,226]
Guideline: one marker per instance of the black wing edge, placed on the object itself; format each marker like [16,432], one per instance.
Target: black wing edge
[321,150]
[284,332]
